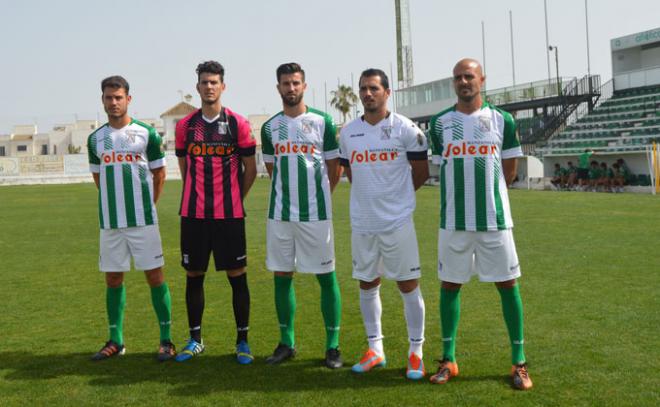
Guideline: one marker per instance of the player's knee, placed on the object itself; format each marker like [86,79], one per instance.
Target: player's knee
[114,280]
[155,277]
[236,272]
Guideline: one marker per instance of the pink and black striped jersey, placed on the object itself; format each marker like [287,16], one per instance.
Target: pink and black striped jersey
[214,174]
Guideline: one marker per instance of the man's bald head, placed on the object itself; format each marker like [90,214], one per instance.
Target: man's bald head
[469,63]
[468,79]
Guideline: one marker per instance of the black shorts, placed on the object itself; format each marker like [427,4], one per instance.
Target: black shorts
[224,237]
[582,173]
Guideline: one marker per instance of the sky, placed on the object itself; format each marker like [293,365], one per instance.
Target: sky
[55,53]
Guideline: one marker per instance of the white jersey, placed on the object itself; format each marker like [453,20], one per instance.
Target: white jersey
[123,159]
[298,147]
[382,191]
[469,150]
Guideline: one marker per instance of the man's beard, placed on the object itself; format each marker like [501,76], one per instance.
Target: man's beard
[292,102]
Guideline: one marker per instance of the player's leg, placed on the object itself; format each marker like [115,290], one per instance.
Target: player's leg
[145,246]
[367,270]
[401,264]
[114,260]
[195,250]
[455,268]
[315,254]
[280,255]
[497,262]
[230,254]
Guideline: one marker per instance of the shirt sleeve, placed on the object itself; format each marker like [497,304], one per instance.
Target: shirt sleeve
[435,139]
[180,137]
[510,144]
[247,145]
[343,150]
[155,153]
[267,148]
[414,139]
[330,144]
[92,155]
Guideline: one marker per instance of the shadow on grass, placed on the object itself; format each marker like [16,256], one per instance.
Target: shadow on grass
[206,374]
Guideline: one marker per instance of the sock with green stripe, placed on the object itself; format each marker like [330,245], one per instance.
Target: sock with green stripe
[115,301]
[330,308]
[450,313]
[160,299]
[285,305]
[513,316]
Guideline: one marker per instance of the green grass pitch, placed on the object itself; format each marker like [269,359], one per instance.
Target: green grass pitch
[590,287]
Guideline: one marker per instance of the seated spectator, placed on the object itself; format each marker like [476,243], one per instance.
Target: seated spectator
[618,178]
[604,179]
[571,176]
[594,175]
[623,167]
[559,177]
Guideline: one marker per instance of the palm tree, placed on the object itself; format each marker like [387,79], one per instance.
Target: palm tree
[343,99]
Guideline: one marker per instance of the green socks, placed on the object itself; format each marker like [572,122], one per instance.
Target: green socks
[513,316]
[330,308]
[450,313]
[115,300]
[285,305]
[160,298]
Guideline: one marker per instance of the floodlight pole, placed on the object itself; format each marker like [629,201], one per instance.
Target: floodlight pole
[556,49]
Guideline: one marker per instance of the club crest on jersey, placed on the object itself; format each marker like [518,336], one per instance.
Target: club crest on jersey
[222,128]
[307,126]
[385,132]
[130,135]
[484,123]
[467,150]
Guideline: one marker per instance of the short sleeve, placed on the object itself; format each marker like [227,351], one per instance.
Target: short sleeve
[414,141]
[180,136]
[343,151]
[330,144]
[510,143]
[435,140]
[267,148]
[246,143]
[92,155]
[155,153]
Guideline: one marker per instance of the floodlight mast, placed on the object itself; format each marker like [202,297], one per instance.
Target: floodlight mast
[403,44]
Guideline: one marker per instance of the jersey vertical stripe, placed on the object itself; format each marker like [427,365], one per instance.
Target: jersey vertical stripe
[297,148]
[123,158]
[213,150]
[470,149]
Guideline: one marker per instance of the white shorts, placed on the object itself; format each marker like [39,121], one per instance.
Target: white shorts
[392,254]
[308,247]
[491,255]
[140,242]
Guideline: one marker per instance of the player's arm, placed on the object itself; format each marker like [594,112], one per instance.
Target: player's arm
[334,172]
[510,169]
[250,174]
[347,171]
[182,167]
[94,159]
[269,169]
[158,181]
[420,172]
[96,177]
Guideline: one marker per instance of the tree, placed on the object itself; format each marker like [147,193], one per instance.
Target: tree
[343,99]
[73,149]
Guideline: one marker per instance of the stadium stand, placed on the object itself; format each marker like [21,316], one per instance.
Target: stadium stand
[627,122]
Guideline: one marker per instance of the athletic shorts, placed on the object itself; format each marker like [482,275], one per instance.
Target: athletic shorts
[307,247]
[224,237]
[392,254]
[142,243]
[582,173]
[491,255]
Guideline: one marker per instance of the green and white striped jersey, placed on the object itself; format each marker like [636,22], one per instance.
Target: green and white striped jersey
[470,149]
[123,159]
[298,147]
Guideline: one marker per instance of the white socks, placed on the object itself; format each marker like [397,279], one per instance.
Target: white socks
[371,309]
[413,307]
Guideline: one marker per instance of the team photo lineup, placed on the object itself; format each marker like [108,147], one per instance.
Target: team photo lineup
[385,158]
